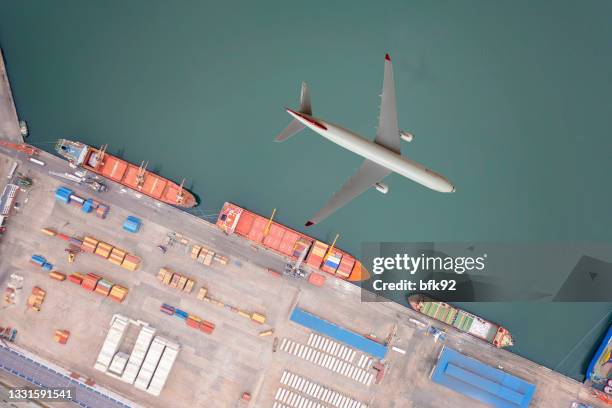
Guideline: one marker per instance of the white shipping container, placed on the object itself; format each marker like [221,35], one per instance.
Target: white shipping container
[163,368]
[118,363]
[114,337]
[143,341]
[150,364]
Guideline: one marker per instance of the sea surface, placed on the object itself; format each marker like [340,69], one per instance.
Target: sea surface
[510,100]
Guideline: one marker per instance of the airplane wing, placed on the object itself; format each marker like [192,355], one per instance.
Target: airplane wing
[368,174]
[387,134]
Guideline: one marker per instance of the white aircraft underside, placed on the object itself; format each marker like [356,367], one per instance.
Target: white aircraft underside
[382,156]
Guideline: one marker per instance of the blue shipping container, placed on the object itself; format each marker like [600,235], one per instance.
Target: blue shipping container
[38,260]
[47,266]
[181,314]
[87,206]
[132,224]
[63,194]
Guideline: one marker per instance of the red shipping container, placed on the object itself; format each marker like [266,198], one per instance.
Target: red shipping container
[316,279]
[75,279]
[63,236]
[206,328]
[192,323]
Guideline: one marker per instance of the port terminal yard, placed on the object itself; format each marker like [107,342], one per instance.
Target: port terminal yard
[234,366]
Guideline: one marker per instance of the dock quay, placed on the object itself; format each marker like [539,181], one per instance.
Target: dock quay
[268,339]
[217,369]
[9,122]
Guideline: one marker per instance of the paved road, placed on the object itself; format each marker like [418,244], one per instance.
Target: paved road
[43,374]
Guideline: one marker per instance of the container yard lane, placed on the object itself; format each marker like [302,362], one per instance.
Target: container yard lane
[217,331]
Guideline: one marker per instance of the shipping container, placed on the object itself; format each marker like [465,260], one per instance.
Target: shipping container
[202,293]
[118,293]
[331,261]
[143,341]
[191,322]
[131,262]
[57,276]
[163,368]
[195,251]
[117,365]
[38,260]
[317,252]
[149,364]
[63,194]
[180,313]
[103,249]
[132,224]
[316,279]
[167,309]
[189,285]
[111,344]
[76,278]
[258,318]
[49,231]
[87,206]
[102,211]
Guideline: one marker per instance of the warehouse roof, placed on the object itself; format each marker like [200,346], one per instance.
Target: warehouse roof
[326,328]
[477,380]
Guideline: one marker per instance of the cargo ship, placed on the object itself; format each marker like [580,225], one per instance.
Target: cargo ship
[599,373]
[138,178]
[462,320]
[290,243]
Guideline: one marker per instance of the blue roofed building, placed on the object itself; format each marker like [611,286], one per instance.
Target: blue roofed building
[481,382]
[336,332]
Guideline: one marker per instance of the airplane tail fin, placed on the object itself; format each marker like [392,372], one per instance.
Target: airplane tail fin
[296,126]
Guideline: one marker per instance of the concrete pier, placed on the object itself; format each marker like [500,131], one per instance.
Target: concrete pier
[9,121]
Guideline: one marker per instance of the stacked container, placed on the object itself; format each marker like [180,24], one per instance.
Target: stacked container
[104,287]
[167,309]
[61,336]
[318,251]
[103,249]
[117,256]
[118,293]
[131,262]
[90,281]
[331,262]
[89,244]
[132,224]
[57,276]
[63,194]
[346,266]
[76,278]
[102,211]
[49,231]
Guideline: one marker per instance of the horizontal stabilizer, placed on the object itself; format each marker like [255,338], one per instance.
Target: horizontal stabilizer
[291,129]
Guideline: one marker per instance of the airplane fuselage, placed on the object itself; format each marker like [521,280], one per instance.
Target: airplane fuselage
[375,153]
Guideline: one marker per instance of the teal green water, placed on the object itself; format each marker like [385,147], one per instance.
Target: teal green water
[510,100]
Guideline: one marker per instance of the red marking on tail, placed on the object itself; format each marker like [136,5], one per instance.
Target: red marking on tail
[387,57]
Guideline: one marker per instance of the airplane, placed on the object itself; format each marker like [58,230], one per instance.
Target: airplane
[382,156]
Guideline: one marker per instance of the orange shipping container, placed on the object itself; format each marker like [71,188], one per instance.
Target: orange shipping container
[315,258]
[57,276]
[316,279]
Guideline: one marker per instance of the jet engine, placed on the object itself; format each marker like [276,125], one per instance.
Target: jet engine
[405,136]
[382,188]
